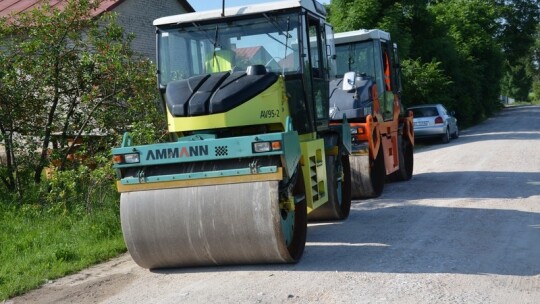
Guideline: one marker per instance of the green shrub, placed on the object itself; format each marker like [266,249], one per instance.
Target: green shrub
[44,242]
[66,223]
[80,190]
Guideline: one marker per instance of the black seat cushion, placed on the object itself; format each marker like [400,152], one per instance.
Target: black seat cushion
[215,93]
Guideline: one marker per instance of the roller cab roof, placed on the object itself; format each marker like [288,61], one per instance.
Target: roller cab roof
[360,35]
[310,5]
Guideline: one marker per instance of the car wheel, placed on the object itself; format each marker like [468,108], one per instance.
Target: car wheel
[446,137]
[456,134]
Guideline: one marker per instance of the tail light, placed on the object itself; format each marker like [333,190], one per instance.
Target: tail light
[439,120]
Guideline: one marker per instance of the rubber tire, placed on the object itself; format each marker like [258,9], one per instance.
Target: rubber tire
[336,208]
[296,248]
[345,206]
[456,134]
[378,174]
[446,137]
[406,161]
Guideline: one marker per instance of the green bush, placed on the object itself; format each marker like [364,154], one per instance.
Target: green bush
[77,226]
[66,223]
[79,190]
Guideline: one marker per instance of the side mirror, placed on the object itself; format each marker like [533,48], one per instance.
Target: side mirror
[348,81]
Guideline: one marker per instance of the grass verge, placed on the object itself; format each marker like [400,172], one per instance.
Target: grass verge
[37,245]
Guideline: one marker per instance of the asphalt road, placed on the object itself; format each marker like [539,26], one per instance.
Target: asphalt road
[465,229]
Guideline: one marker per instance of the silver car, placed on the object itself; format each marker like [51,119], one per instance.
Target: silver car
[433,120]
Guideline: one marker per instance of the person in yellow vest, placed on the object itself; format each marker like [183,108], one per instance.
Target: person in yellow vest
[222,59]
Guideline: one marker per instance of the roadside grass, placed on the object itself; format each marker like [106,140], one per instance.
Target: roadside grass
[525,103]
[38,245]
[535,100]
[532,100]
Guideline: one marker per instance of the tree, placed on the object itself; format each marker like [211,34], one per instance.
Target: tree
[349,15]
[519,22]
[67,74]
[472,26]
[474,43]
[424,82]
[517,81]
[391,16]
[535,64]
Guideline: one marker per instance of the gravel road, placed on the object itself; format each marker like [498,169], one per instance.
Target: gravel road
[465,229]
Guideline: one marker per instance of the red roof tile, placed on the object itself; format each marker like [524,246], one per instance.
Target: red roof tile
[14,7]
[247,52]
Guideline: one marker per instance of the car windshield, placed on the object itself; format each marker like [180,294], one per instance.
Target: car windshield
[192,49]
[424,112]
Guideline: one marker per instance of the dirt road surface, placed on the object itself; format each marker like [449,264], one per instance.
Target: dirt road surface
[465,229]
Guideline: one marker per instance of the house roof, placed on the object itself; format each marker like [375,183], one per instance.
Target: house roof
[247,52]
[14,7]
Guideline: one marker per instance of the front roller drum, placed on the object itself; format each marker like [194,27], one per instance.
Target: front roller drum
[212,225]
[367,176]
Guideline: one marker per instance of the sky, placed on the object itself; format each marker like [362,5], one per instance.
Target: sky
[204,5]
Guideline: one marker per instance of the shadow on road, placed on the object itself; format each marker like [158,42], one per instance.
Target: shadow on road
[422,239]
[391,235]
[466,184]
[417,239]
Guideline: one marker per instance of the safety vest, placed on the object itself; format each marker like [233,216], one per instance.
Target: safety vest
[387,81]
[219,61]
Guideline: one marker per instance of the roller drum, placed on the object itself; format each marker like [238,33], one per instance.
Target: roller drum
[367,177]
[206,225]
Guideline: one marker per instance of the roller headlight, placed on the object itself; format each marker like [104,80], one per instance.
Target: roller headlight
[131,158]
[266,146]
